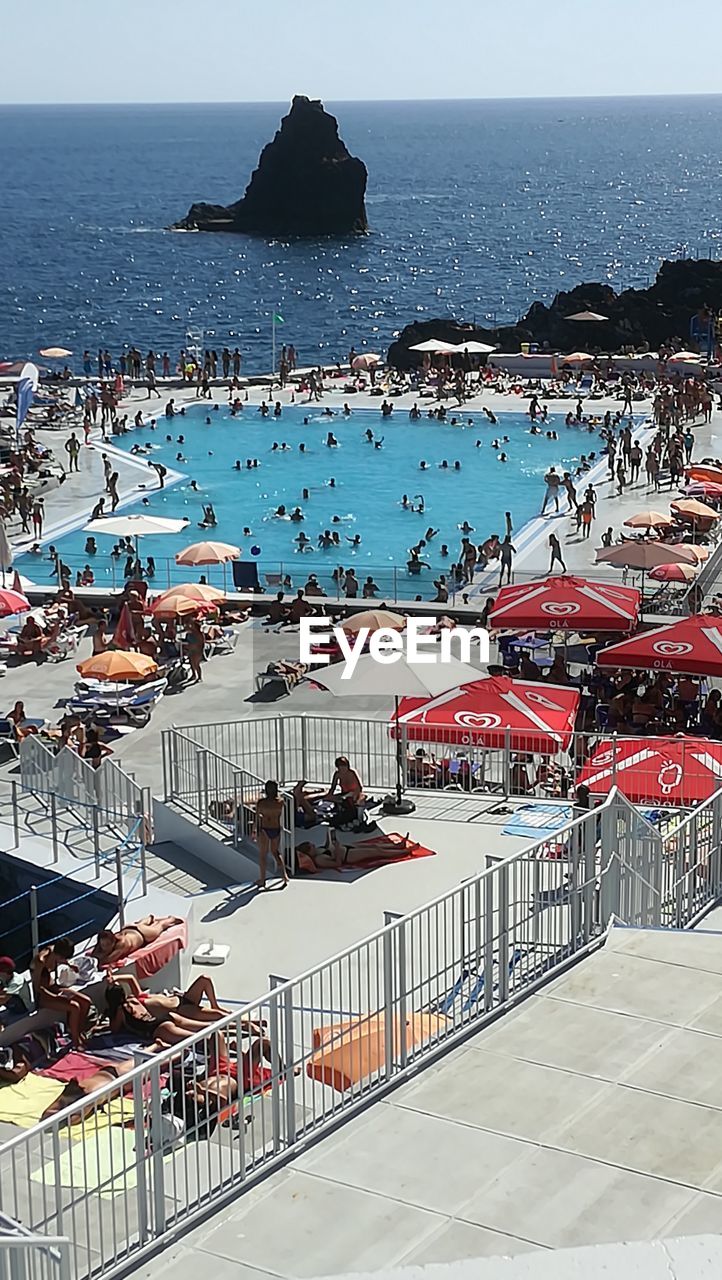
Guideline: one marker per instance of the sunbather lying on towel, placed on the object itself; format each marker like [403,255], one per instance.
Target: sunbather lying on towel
[186,1005]
[335,854]
[75,1090]
[115,945]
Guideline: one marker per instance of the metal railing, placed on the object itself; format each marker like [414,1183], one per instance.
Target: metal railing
[393,583]
[288,748]
[220,793]
[326,1042]
[106,796]
[160,1150]
[39,919]
[24,1255]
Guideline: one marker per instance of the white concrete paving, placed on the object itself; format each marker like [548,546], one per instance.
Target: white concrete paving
[590,1114]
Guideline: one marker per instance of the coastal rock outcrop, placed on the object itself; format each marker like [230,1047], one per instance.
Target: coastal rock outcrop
[683,292]
[307,184]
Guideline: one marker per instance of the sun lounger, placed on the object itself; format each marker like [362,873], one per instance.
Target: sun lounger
[289,674]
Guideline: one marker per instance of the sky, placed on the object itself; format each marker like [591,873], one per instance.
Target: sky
[266,50]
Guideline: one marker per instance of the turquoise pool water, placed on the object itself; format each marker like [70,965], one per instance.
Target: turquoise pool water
[366,496]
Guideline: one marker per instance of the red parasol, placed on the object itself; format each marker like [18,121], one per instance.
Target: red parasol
[566,603]
[535,717]
[692,646]
[669,771]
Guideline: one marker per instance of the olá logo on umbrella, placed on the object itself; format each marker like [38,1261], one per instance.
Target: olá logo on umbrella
[671,648]
[560,608]
[670,776]
[477,720]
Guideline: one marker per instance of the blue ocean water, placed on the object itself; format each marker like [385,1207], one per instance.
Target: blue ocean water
[476,209]
[366,498]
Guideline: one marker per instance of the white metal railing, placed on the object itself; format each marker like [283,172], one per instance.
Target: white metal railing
[291,747]
[106,796]
[316,1048]
[219,791]
[25,1256]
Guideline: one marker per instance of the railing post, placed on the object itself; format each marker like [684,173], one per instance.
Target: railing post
[120,886]
[140,1153]
[54,824]
[287,1058]
[155,1144]
[503,964]
[280,751]
[506,764]
[303,772]
[16,814]
[589,844]
[201,785]
[389,1010]
[58,1181]
[404,756]
[489,910]
[275,1059]
[96,839]
[400,937]
[34,925]
[715,854]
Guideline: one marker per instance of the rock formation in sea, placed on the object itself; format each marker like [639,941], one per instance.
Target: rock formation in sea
[636,317]
[307,184]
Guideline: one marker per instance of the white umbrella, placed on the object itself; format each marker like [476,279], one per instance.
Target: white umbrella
[586,315]
[436,344]
[400,679]
[135,526]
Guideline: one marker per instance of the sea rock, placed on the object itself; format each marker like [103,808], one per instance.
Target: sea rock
[307,184]
[683,292]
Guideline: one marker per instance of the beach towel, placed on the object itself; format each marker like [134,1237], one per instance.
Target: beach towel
[105,1161]
[74,1065]
[411,850]
[24,1103]
[150,959]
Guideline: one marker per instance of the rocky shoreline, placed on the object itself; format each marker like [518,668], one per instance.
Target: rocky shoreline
[683,291]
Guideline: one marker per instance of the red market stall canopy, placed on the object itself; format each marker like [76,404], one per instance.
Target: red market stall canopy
[492,712]
[566,603]
[692,646]
[668,771]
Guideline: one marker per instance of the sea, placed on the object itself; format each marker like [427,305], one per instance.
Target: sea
[476,209]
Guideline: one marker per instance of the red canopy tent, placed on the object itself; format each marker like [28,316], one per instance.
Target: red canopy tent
[692,646]
[566,603]
[668,771]
[490,712]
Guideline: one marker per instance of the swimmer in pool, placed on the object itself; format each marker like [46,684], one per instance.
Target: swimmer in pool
[331,441]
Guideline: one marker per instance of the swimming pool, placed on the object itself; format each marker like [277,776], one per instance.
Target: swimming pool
[365,498]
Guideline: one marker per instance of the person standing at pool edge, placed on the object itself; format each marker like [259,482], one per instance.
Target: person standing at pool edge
[552,481]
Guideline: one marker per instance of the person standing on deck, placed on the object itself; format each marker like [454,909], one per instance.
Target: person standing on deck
[556,553]
[507,551]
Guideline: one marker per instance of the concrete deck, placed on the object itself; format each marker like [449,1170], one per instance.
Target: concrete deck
[590,1114]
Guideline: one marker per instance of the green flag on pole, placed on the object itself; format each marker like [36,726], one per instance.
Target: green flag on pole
[278,319]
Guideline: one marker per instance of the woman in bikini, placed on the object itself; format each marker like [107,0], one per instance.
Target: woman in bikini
[75,1090]
[186,1006]
[115,945]
[128,1014]
[337,855]
[269,815]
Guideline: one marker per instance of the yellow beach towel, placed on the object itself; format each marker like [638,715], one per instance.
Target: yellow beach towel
[24,1103]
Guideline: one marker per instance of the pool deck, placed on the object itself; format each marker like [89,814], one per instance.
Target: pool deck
[589,1114]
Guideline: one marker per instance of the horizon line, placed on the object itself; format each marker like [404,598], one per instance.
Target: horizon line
[250,102]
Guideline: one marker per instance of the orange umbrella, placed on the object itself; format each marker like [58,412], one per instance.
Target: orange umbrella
[118,665]
[696,509]
[577,357]
[351,1052]
[181,607]
[375,620]
[198,591]
[648,520]
[208,553]
[700,553]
